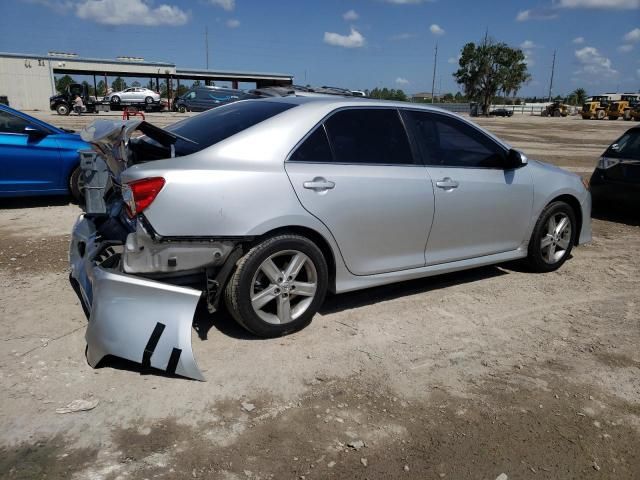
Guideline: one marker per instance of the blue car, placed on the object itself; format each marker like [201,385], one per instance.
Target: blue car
[37,158]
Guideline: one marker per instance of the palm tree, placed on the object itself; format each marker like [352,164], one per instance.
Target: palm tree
[580,95]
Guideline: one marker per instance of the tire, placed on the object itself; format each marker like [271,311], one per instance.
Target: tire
[612,117]
[76,185]
[115,99]
[63,109]
[544,113]
[627,116]
[148,100]
[543,258]
[182,109]
[557,114]
[600,114]
[274,255]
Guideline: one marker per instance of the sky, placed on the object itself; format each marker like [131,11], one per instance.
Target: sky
[356,44]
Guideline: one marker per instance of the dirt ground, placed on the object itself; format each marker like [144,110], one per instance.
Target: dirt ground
[463,376]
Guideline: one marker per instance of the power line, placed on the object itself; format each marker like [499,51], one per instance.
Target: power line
[435,64]
[553,67]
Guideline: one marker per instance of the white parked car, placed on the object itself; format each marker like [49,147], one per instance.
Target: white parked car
[133,95]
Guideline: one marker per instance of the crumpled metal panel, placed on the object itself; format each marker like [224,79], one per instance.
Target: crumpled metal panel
[137,319]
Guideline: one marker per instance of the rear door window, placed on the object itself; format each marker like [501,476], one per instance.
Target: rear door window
[315,148]
[369,136]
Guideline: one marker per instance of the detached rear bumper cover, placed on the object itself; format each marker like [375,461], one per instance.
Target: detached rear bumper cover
[137,319]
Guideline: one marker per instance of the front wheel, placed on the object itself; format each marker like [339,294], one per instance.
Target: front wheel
[182,109]
[552,238]
[278,286]
[62,109]
[148,100]
[115,99]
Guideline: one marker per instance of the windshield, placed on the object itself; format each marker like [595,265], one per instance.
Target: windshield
[210,127]
[627,146]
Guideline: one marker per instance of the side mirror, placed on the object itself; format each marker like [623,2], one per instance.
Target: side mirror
[34,132]
[515,159]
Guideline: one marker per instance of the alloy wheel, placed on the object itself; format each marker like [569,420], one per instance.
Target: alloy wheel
[283,287]
[556,241]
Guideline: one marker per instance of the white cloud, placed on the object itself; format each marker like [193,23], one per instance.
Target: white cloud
[233,23]
[633,35]
[227,5]
[351,15]
[436,29]
[453,60]
[604,4]
[593,64]
[526,15]
[130,12]
[402,81]
[527,45]
[354,40]
[403,36]
[578,40]
[625,48]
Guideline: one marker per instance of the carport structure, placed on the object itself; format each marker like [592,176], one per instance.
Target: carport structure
[28,80]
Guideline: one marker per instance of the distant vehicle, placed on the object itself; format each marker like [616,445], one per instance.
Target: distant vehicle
[501,112]
[555,109]
[596,107]
[623,107]
[37,158]
[201,98]
[63,102]
[616,178]
[133,95]
[358,93]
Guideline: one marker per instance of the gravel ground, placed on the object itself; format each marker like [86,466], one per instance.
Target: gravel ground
[463,376]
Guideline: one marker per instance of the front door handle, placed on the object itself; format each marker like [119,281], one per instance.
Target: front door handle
[447,183]
[319,184]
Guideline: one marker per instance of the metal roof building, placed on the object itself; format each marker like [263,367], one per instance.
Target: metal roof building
[28,80]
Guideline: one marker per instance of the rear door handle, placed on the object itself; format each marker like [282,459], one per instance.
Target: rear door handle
[319,184]
[447,183]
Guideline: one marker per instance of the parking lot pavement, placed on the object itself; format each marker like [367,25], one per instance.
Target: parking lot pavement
[463,376]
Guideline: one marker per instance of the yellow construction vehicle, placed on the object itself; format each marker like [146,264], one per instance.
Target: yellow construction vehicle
[633,112]
[556,109]
[595,107]
[621,108]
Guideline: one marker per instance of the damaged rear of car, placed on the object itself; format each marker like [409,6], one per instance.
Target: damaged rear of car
[139,278]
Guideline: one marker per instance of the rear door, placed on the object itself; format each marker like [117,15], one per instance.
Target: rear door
[481,208]
[28,163]
[356,172]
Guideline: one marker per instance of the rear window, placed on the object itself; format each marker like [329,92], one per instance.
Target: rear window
[215,125]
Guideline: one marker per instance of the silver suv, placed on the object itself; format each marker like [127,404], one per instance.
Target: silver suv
[270,203]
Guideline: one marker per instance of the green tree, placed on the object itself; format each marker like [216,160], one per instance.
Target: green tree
[136,83]
[118,84]
[90,89]
[580,96]
[488,68]
[63,82]
[387,94]
[448,98]
[102,89]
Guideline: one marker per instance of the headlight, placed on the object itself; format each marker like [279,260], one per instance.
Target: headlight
[606,162]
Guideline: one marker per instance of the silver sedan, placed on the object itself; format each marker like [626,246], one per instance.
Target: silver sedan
[268,204]
[133,95]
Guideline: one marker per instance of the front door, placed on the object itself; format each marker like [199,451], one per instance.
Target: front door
[357,174]
[481,208]
[28,162]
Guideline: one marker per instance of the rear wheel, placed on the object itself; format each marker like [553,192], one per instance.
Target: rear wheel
[627,115]
[76,185]
[556,113]
[552,238]
[600,114]
[62,109]
[278,286]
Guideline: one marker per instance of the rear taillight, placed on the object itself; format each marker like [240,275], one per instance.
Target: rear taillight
[138,195]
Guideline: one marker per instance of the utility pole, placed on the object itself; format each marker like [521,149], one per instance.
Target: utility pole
[206,44]
[435,64]
[553,67]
